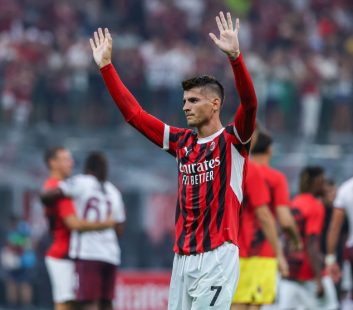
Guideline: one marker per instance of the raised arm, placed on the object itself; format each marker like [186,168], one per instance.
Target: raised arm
[228,42]
[150,126]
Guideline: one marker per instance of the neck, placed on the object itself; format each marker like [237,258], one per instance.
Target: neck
[209,129]
[56,175]
[261,159]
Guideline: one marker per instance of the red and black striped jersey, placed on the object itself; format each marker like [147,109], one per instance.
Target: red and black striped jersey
[210,170]
[210,188]
[56,214]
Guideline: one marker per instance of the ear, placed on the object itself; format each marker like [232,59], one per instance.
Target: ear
[216,103]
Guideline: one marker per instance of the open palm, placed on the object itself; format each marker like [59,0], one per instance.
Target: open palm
[102,47]
[228,37]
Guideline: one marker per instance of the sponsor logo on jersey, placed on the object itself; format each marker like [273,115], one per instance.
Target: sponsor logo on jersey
[197,173]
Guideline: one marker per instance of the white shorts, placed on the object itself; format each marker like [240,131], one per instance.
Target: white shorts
[62,278]
[302,295]
[204,281]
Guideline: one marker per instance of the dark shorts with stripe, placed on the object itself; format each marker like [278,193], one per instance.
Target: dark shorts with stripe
[95,280]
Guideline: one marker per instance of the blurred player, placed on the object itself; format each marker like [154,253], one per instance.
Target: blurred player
[305,285]
[96,254]
[62,218]
[211,163]
[277,184]
[258,269]
[343,206]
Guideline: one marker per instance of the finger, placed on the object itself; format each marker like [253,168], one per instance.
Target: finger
[93,46]
[101,35]
[213,37]
[223,20]
[96,38]
[230,22]
[107,34]
[219,24]
[237,25]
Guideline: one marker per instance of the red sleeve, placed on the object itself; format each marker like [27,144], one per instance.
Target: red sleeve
[257,192]
[65,207]
[281,191]
[147,124]
[314,220]
[245,116]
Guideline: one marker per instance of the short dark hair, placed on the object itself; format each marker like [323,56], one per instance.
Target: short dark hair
[97,165]
[51,153]
[206,81]
[308,176]
[263,142]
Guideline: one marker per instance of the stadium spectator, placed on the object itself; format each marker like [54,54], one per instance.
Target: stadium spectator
[17,261]
[212,162]
[307,52]
[306,286]
[62,220]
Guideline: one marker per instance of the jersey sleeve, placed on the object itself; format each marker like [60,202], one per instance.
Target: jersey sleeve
[314,221]
[340,201]
[245,117]
[72,187]
[256,190]
[154,129]
[66,208]
[281,191]
[119,210]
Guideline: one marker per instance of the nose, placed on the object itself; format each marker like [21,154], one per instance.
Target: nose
[186,107]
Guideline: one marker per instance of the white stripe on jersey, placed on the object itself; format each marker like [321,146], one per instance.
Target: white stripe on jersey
[238,137]
[236,176]
[166,137]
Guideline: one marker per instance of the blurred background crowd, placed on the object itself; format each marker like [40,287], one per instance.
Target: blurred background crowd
[299,54]
[298,51]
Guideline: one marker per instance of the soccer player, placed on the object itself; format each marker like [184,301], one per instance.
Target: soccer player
[62,219]
[261,154]
[211,161]
[258,272]
[343,206]
[96,254]
[305,285]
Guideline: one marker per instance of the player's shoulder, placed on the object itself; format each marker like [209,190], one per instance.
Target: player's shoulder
[112,189]
[299,200]
[346,186]
[183,136]
[306,201]
[277,174]
[254,171]
[50,183]
[80,180]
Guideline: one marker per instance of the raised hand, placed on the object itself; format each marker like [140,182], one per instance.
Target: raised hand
[102,45]
[228,37]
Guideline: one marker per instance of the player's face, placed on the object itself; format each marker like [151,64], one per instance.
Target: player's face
[319,185]
[63,163]
[199,106]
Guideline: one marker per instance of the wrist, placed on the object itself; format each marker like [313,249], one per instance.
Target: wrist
[233,55]
[330,259]
[103,64]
